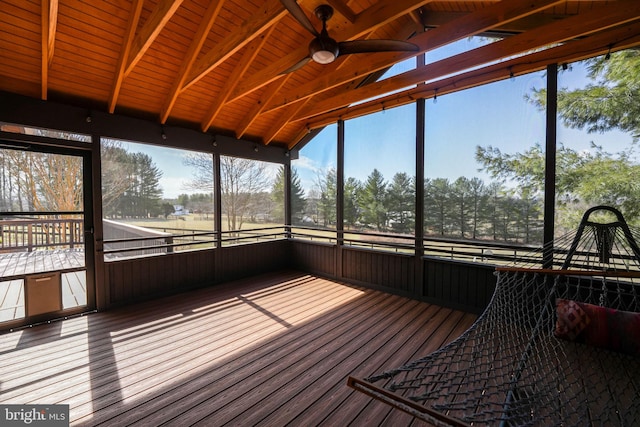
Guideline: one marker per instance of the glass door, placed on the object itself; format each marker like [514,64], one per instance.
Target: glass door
[46,245]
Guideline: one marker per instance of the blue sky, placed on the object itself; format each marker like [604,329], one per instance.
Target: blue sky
[496,115]
[175,175]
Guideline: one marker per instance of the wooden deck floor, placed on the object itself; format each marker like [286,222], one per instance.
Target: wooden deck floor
[13,265]
[273,350]
[21,263]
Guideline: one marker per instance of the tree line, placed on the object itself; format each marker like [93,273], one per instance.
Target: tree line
[465,208]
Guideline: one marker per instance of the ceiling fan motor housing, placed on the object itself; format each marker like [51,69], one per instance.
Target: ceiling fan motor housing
[323,50]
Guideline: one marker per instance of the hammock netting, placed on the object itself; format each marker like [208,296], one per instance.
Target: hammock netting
[514,366]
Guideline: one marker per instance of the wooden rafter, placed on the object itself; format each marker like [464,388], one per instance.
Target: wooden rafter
[190,57]
[148,33]
[49,18]
[343,9]
[248,57]
[257,109]
[367,21]
[417,18]
[282,121]
[52,26]
[134,17]
[571,27]
[466,26]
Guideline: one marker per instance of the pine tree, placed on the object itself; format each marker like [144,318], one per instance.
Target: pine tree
[297,197]
[400,201]
[373,201]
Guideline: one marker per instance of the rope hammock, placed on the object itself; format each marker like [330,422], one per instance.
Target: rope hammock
[554,346]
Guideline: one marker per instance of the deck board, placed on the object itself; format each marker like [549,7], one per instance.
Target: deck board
[15,266]
[270,350]
[11,300]
[23,263]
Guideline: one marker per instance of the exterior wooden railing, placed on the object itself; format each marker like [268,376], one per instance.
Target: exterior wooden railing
[27,235]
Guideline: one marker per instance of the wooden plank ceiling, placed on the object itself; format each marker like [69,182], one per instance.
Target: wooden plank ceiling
[218,65]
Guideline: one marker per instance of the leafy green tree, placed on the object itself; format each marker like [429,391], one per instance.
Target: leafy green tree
[373,201]
[611,101]
[327,185]
[460,198]
[400,202]
[477,203]
[167,209]
[582,179]
[352,191]
[298,200]
[528,222]
[184,200]
[495,205]
[526,170]
[277,195]
[143,196]
[437,206]
[149,193]
[297,196]
[605,178]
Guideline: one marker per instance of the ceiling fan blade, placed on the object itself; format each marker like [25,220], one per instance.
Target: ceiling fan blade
[296,11]
[296,66]
[364,46]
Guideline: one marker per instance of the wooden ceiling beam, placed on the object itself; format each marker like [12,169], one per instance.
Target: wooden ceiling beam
[210,15]
[435,19]
[268,94]
[243,65]
[146,36]
[283,120]
[343,9]
[302,133]
[369,20]
[465,26]
[613,40]
[416,17]
[134,17]
[269,14]
[49,21]
[52,27]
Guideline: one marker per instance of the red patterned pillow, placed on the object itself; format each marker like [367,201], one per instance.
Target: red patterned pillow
[571,319]
[604,327]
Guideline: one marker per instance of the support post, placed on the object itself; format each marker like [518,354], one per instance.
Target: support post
[340,199]
[550,165]
[419,212]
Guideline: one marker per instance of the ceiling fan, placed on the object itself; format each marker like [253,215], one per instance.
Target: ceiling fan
[324,50]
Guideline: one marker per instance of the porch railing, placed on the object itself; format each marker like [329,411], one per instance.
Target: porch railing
[28,235]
